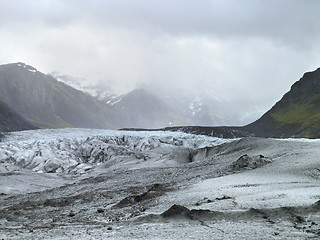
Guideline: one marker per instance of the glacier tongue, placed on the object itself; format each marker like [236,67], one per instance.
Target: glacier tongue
[77,151]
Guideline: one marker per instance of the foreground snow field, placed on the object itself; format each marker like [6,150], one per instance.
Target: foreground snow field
[97,184]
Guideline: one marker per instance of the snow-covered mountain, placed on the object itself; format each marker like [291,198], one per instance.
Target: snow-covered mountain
[201,109]
[141,108]
[101,92]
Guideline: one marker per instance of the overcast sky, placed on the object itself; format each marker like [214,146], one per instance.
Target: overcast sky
[248,52]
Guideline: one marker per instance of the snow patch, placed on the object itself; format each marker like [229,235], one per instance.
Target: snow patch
[85,86]
[32,70]
[113,102]
[195,106]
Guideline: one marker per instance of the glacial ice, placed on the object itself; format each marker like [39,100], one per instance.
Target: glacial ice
[76,151]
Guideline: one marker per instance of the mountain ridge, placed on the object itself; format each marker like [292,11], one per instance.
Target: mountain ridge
[30,99]
[47,103]
[297,114]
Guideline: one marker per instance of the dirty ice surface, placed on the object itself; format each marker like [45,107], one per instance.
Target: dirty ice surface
[98,184]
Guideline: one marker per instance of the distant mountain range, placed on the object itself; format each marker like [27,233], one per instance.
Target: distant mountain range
[100,91]
[188,109]
[44,102]
[30,99]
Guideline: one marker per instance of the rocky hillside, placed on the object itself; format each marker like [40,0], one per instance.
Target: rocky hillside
[297,114]
[47,103]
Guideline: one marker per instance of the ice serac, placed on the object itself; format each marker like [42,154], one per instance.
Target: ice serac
[78,151]
[297,114]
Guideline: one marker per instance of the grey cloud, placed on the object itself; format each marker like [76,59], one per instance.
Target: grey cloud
[17,13]
[245,51]
[292,22]
[289,21]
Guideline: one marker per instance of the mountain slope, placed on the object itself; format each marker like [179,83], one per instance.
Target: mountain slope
[47,103]
[144,110]
[297,114]
[10,121]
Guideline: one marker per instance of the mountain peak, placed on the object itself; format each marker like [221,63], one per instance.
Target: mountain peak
[27,67]
[20,66]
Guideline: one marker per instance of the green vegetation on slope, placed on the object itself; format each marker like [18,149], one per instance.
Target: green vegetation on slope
[297,114]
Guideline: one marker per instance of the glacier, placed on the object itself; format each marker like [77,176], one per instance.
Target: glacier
[98,184]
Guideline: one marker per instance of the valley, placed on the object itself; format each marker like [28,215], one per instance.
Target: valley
[159,120]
